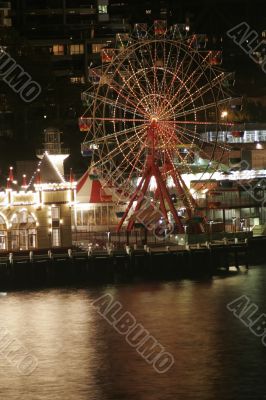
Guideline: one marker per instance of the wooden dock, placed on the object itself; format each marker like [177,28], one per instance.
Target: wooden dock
[69,266]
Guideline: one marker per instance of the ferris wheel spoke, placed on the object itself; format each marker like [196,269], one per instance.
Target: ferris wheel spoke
[125,161]
[116,134]
[170,67]
[151,82]
[113,119]
[107,156]
[176,74]
[202,66]
[187,133]
[173,162]
[125,96]
[209,86]
[131,100]
[192,154]
[153,55]
[135,81]
[198,72]
[183,83]
[193,122]
[117,150]
[115,103]
[165,66]
[131,158]
[133,143]
[189,136]
[166,88]
[204,107]
[143,65]
[136,73]
[135,163]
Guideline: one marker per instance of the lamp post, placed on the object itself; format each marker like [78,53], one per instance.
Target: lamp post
[108,237]
[234,224]
[245,227]
[224,116]
[210,230]
[165,234]
[186,238]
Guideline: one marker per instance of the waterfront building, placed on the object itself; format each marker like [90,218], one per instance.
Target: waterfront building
[232,201]
[98,208]
[37,214]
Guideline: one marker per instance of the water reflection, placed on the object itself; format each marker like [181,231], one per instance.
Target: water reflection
[82,357]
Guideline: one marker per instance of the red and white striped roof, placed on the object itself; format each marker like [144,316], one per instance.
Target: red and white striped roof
[90,190]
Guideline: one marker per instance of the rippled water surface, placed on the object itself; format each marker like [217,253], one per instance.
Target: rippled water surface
[81,357]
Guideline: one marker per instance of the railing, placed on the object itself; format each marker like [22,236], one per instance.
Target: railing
[100,239]
[250,136]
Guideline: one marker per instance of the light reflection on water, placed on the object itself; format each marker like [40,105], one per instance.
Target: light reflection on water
[82,357]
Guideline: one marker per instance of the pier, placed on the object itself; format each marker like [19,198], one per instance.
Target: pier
[161,262]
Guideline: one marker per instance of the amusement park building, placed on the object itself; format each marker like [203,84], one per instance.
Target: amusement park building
[96,208]
[47,210]
[39,214]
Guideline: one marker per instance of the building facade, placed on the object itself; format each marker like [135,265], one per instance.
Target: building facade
[36,214]
[39,219]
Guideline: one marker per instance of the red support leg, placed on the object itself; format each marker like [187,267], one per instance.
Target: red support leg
[152,169]
[177,220]
[140,200]
[131,203]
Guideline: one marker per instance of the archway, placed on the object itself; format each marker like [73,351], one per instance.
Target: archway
[23,231]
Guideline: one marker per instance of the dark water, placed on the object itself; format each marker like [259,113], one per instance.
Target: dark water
[81,357]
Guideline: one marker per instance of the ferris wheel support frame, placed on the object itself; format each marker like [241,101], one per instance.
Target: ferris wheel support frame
[152,170]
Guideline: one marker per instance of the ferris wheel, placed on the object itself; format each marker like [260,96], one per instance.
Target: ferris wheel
[153,114]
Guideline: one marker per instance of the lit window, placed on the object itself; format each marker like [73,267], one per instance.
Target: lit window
[102,9]
[2,240]
[55,213]
[77,79]
[23,217]
[32,238]
[96,47]
[55,237]
[76,49]
[58,50]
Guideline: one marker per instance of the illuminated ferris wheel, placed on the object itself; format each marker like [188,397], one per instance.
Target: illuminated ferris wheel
[151,107]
